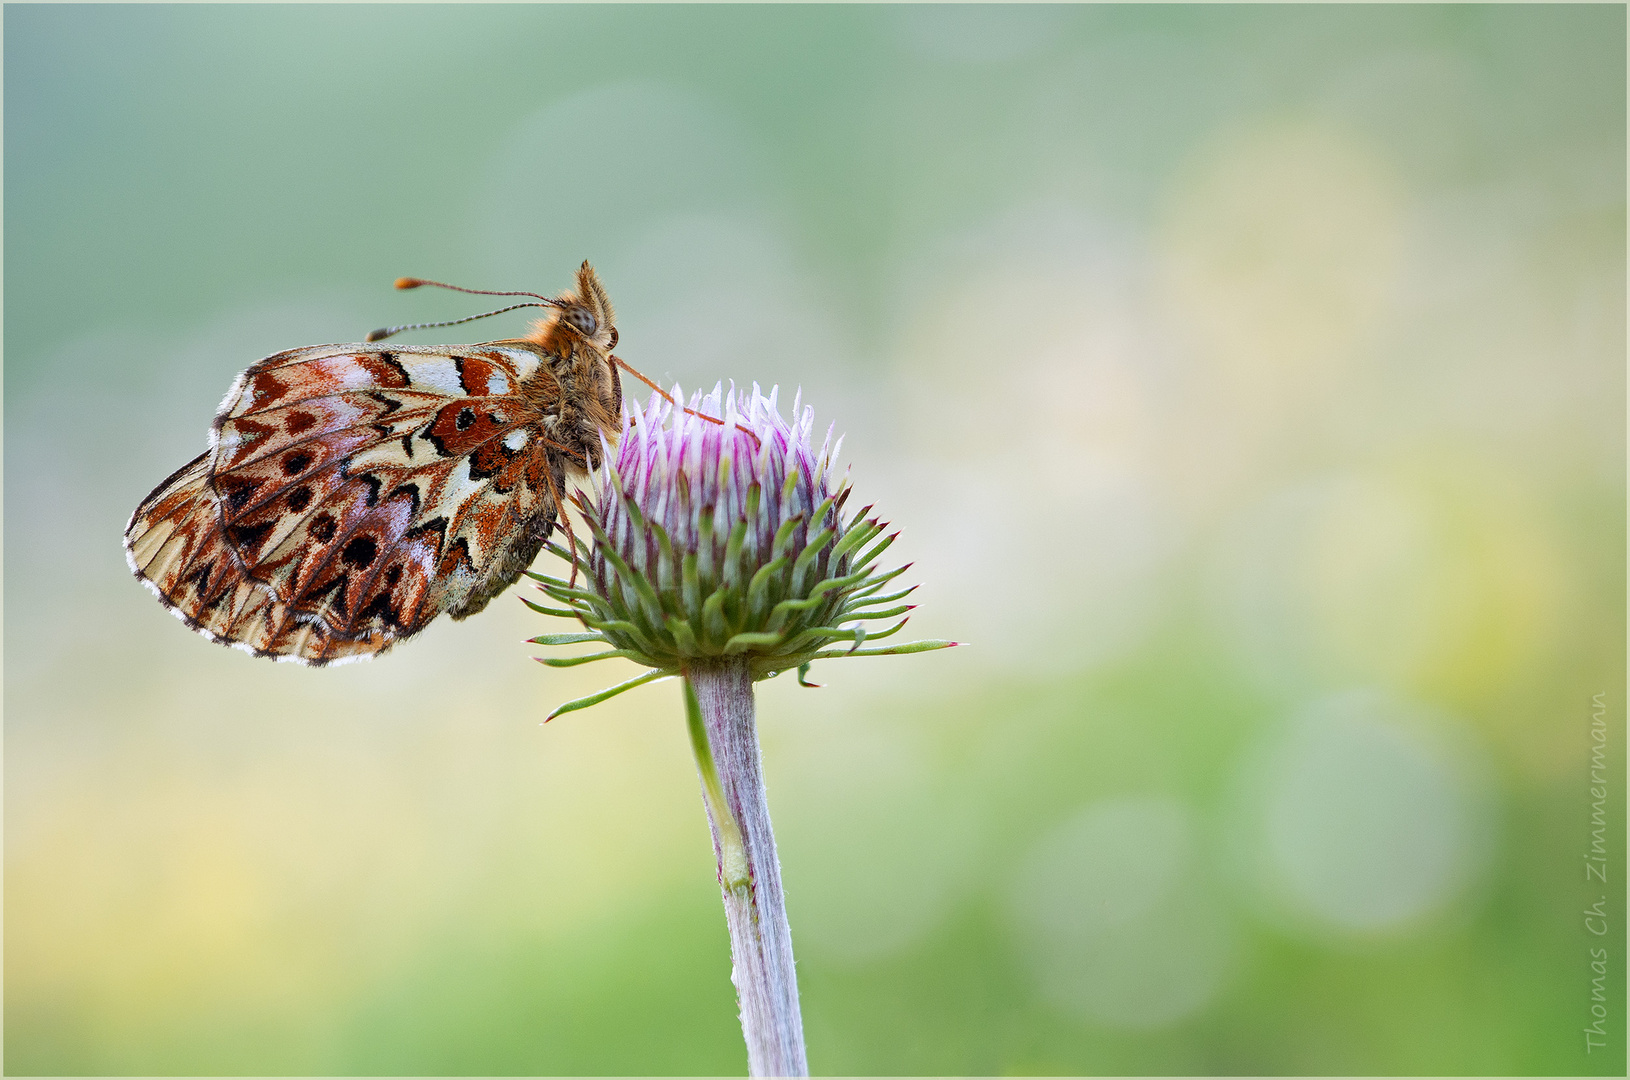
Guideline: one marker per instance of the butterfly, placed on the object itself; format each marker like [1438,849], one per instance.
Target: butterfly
[352,493]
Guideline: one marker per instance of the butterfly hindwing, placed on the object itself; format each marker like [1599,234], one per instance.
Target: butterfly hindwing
[352,493]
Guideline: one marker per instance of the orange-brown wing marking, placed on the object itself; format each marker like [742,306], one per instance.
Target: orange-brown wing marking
[353,493]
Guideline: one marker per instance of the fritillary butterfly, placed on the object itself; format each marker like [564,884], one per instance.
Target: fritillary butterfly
[352,493]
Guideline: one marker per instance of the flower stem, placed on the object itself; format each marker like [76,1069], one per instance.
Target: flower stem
[719,707]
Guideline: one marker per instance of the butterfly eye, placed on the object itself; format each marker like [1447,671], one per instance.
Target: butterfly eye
[582,321]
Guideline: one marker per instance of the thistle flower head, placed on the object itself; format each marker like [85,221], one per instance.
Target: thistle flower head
[720,531]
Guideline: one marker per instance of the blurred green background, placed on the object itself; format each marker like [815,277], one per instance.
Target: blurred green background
[1249,384]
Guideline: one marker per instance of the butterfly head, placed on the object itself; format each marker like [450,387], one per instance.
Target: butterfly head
[578,334]
[583,314]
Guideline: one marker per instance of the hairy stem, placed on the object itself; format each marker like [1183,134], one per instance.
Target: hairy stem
[719,705]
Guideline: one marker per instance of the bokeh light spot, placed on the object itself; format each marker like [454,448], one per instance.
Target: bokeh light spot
[1365,815]
[1117,925]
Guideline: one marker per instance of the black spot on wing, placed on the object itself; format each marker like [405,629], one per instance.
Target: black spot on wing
[200,578]
[360,552]
[380,608]
[238,491]
[250,536]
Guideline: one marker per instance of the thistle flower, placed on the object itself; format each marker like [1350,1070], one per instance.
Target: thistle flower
[722,553]
[716,541]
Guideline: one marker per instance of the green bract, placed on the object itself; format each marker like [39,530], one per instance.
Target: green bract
[720,540]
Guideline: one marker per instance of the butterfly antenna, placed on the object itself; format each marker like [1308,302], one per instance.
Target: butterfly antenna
[414,283]
[632,370]
[391,331]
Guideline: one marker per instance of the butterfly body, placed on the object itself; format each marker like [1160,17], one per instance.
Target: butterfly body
[352,493]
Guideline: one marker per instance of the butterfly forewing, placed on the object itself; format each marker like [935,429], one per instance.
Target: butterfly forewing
[354,492]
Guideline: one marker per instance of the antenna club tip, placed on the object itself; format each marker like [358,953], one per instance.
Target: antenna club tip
[377,335]
[408,283]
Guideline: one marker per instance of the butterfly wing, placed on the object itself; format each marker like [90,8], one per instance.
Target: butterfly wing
[352,493]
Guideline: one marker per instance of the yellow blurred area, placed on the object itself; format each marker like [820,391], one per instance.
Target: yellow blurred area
[1281,251]
[1437,584]
[310,864]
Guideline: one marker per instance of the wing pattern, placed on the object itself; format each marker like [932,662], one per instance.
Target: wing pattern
[352,493]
